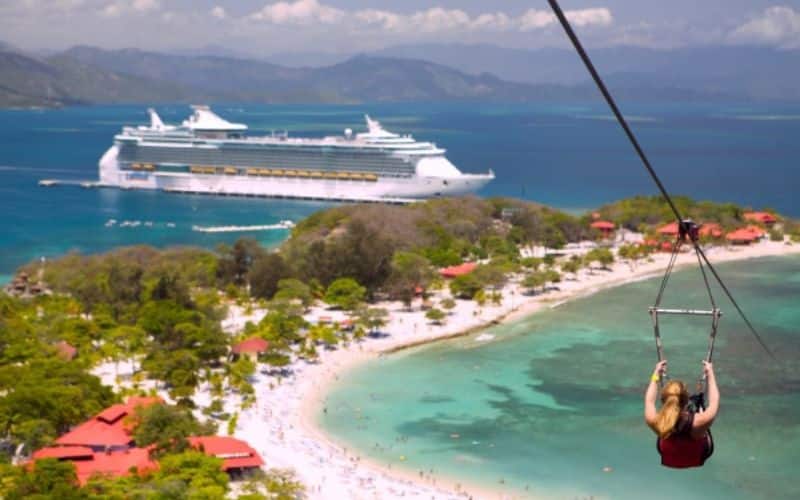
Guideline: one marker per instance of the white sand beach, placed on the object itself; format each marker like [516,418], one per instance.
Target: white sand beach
[281,426]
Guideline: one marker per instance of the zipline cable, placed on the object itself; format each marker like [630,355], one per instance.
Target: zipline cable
[635,143]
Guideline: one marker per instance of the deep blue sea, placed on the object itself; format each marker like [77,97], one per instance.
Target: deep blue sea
[570,156]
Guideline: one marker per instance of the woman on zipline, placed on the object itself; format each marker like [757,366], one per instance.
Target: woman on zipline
[684,436]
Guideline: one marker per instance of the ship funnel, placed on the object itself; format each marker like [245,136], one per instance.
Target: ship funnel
[155,120]
[373,126]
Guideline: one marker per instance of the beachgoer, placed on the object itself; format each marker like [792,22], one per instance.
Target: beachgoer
[684,437]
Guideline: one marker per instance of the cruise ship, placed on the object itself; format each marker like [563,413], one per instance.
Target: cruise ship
[207,154]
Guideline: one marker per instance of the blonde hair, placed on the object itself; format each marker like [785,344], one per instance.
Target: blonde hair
[674,397]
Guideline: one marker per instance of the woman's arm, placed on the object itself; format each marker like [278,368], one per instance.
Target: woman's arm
[703,420]
[651,393]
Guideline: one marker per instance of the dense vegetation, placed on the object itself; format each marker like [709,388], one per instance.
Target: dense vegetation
[642,213]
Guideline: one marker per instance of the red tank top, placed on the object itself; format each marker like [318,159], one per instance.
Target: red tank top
[680,450]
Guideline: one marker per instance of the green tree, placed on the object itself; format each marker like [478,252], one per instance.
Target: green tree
[50,390]
[466,286]
[570,266]
[345,293]
[371,318]
[200,475]
[324,334]
[276,484]
[604,257]
[480,297]
[534,280]
[435,315]
[239,373]
[294,289]
[48,478]
[448,304]
[235,262]
[266,272]
[167,427]
[409,271]
[551,276]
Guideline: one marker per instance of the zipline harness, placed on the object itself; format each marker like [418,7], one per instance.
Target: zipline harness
[688,231]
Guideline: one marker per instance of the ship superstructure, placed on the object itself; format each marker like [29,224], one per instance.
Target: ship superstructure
[207,154]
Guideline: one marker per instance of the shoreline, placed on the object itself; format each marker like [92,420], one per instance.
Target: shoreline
[283,424]
[312,382]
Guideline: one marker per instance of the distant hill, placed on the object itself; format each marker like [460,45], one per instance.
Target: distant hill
[59,80]
[92,75]
[750,72]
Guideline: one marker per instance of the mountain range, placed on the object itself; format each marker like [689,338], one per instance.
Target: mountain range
[409,73]
[742,71]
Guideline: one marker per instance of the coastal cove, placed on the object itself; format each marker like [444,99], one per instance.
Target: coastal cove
[550,405]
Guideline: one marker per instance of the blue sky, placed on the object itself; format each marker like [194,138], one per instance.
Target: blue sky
[347,26]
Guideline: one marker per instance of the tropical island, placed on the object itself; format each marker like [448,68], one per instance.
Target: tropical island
[190,373]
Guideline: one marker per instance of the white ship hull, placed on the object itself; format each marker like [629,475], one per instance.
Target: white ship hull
[384,189]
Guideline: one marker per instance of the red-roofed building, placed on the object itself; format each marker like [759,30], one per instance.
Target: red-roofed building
[109,429]
[670,229]
[237,456]
[90,463]
[757,231]
[104,446]
[650,243]
[251,348]
[64,453]
[604,226]
[66,351]
[459,270]
[741,237]
[762,217]
[711,230]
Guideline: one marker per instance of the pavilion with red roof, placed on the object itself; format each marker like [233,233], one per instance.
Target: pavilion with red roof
[110,429]
[104,446]
[762,217]
[670,229]
[237,456]
[605,227]
[251,348]
[89,462]
[459,270]
[66,351]
[711,230]
[742,237]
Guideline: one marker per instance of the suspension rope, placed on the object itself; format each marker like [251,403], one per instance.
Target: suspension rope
[635,143]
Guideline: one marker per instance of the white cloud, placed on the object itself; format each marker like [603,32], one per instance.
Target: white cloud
[218,12]
[432,20]
[145,5]
[778,26]
[439,19]
[121,7]
[298,12]
[492,21]
[534,19]
[381,18]
[590,17]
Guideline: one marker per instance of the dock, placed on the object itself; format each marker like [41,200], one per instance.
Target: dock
[70,182]
[98,184]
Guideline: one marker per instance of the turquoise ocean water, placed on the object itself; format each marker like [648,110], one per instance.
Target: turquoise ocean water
[557,397]
[570,156]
